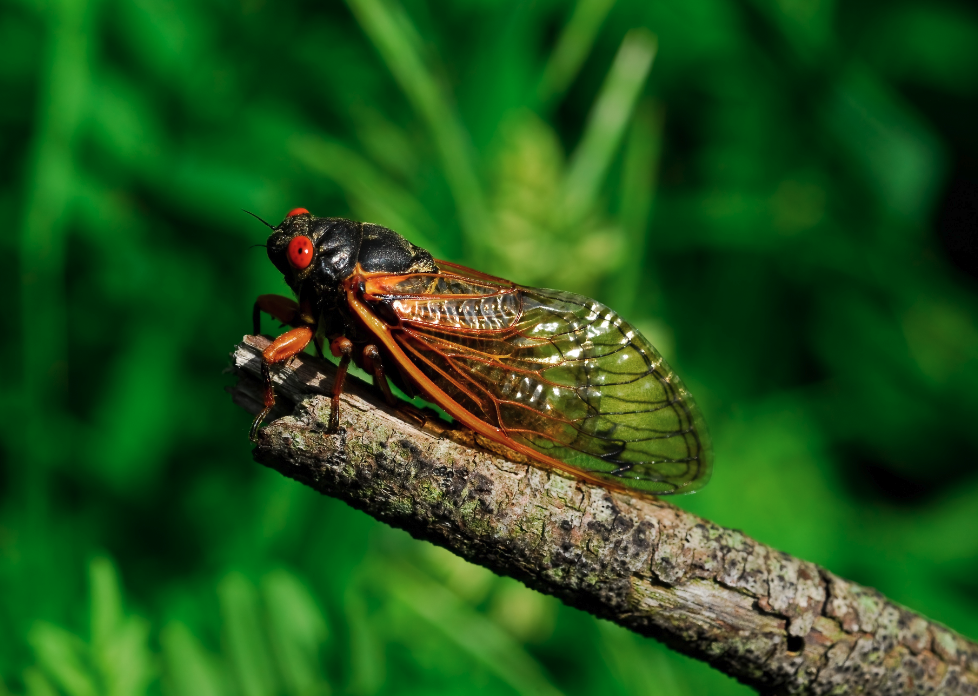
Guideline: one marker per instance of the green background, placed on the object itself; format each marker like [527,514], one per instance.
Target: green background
[781,195]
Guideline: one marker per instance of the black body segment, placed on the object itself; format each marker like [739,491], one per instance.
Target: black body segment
[385,251]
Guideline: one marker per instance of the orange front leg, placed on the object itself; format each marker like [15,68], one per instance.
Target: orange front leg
[281,349]
[285,309]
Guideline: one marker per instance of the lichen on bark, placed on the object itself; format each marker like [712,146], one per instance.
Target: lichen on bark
[777,623]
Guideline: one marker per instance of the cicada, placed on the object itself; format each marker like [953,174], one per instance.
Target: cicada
[557,377]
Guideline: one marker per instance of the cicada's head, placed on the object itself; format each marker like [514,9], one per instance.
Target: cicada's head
[315,252]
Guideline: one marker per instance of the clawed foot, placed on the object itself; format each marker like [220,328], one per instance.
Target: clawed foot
[256,425]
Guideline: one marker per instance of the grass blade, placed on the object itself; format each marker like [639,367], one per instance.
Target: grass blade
[393,36]
[607,121]
[573,48]
[481,638]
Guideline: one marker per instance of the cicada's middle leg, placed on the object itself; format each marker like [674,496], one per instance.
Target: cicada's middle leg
[286,346]
[342,348]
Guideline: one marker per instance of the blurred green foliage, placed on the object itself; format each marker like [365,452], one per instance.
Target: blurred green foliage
[776,192]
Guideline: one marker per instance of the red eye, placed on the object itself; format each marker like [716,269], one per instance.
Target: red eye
[297,211]
[300,252]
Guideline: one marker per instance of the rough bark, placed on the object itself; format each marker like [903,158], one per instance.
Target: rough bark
[776,623]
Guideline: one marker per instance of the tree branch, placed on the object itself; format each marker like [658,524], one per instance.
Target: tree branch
[777,623]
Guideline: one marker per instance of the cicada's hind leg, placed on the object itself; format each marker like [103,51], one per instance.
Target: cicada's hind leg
[341,348]
[281,349]
[426,418]
[373,364]
[282,308]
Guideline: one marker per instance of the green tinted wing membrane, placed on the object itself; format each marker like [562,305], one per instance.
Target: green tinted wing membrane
[564,375]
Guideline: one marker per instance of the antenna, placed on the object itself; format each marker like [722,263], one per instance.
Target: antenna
[257,218]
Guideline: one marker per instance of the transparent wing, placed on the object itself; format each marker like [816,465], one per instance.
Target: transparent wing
[555,371]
